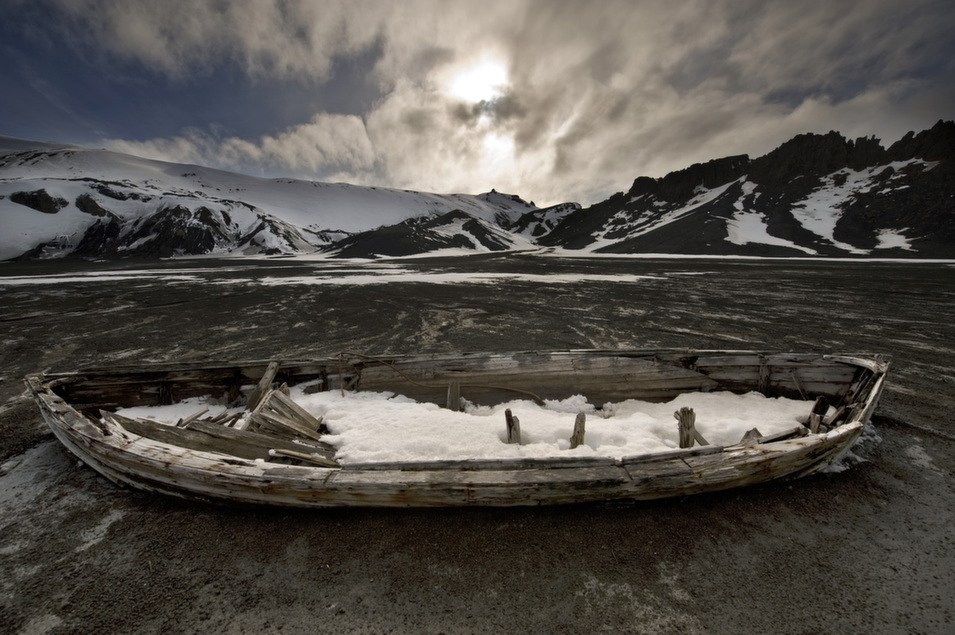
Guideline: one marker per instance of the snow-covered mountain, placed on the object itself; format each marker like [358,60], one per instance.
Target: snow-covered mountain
[66,200]
[537,223]
[455,230]
[815,195]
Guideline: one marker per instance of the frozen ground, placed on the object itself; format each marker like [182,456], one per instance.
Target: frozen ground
[868,549]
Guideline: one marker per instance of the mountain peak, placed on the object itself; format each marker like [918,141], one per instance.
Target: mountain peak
[815,194]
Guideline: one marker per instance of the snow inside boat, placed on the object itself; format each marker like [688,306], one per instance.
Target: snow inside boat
[256,434]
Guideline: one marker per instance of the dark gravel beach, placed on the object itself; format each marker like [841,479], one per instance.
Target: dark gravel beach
[869,549]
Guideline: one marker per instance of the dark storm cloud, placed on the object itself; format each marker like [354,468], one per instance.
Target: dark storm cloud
[596,93]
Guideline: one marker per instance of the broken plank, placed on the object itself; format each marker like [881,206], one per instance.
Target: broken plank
[272,419]
[307,418]
[183,423]
[264,440]
[263,386]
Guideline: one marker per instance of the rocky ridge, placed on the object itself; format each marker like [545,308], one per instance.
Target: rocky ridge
[815,195]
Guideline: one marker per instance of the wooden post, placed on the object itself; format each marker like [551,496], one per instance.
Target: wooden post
[513,427]
[686,420]
[454,396]
[577,438]
[819,410]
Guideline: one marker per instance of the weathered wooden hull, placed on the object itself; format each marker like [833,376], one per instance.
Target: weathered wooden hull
[152,465]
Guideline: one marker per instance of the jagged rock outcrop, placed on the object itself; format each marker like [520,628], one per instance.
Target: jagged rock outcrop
[818,195]
[88,205]
[539,222]
[679,185]
[453,230]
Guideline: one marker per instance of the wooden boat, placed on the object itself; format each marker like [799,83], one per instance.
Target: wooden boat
[280,458]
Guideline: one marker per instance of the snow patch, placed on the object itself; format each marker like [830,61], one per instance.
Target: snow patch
[821,210]
[893,239]
[750,227]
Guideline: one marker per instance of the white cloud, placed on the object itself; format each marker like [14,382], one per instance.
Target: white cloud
[327,143]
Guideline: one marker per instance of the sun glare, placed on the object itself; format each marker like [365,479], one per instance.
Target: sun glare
[481,82]
[498,149]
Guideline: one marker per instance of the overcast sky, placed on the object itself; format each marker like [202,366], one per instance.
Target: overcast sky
[549,99]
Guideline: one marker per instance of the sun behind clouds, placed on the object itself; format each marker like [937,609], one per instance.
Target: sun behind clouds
[484,80]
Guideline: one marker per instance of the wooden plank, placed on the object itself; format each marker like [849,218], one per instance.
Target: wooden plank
[273,420]
[666,455]
[265,383]
[798,431]
[189,438]
[303,415]
[315,459]
[263,440]
[184,423]
[819,410]
[468,465]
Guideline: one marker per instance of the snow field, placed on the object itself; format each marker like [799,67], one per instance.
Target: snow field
[378,426]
